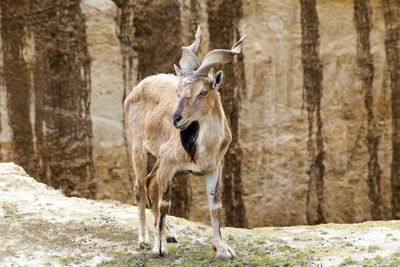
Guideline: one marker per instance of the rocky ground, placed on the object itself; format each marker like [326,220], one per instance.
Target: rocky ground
[39,226]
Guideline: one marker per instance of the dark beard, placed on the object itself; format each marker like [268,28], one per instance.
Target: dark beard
[189,137]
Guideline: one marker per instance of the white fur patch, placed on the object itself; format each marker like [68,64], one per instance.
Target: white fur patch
[191,167]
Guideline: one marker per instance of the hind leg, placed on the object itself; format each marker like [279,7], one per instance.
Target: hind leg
[170,235]
[139,158]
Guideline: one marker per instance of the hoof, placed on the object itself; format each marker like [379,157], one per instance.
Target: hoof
[159,252]
[143,245]
[224,251]
[172,239]
[225,256]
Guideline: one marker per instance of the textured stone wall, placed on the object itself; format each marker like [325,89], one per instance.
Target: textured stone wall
[309,101]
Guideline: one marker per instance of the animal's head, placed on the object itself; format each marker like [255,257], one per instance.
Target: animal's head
[198,93]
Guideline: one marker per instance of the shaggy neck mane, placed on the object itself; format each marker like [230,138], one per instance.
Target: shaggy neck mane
[189,137]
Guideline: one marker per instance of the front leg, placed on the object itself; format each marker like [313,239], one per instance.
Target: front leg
[164,178]
[223,250]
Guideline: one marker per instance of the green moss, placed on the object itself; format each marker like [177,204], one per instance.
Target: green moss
[372,248]
[285,248]
[378,258]
[348,261]
[395,256]
[260,259]
[391,261]
[119,227]
[63,260]
[289,263]
[10,210]
[348,244]
[260,240]
[190,253]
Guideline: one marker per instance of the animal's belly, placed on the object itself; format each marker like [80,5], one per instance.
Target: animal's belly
[197,173]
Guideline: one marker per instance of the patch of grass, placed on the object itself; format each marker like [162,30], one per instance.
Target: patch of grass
[391,261]
[122,258]
[348,244]
[172,249]
[372,248]
[119,227]
[10,209]
[378,258]
[63,241]
[7,252]
[285,248]
[348,261]
[43,235]
[63,260]
[260,240]
[190,253]
[291,259]
[260,259]
[395,256]
[289,263]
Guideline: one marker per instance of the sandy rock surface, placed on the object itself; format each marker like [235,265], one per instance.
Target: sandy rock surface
[39,226]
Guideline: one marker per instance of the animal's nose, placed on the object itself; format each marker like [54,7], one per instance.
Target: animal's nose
[176,118]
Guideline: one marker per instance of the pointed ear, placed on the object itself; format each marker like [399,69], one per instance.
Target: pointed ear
[218,77]
[178,71]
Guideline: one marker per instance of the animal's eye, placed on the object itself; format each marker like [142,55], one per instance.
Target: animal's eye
[203,93]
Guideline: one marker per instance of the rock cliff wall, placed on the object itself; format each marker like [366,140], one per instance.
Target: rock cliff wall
[310,101]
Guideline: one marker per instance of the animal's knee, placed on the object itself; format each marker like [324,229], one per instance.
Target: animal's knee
[164,209]
[165,200]
[164,206]
[137,196]
[216,209]
[166,193]
[138,192]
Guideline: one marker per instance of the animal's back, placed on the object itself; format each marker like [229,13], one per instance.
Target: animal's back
[149,108]
[156,88]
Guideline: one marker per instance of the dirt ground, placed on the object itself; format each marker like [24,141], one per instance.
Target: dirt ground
[39,226]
